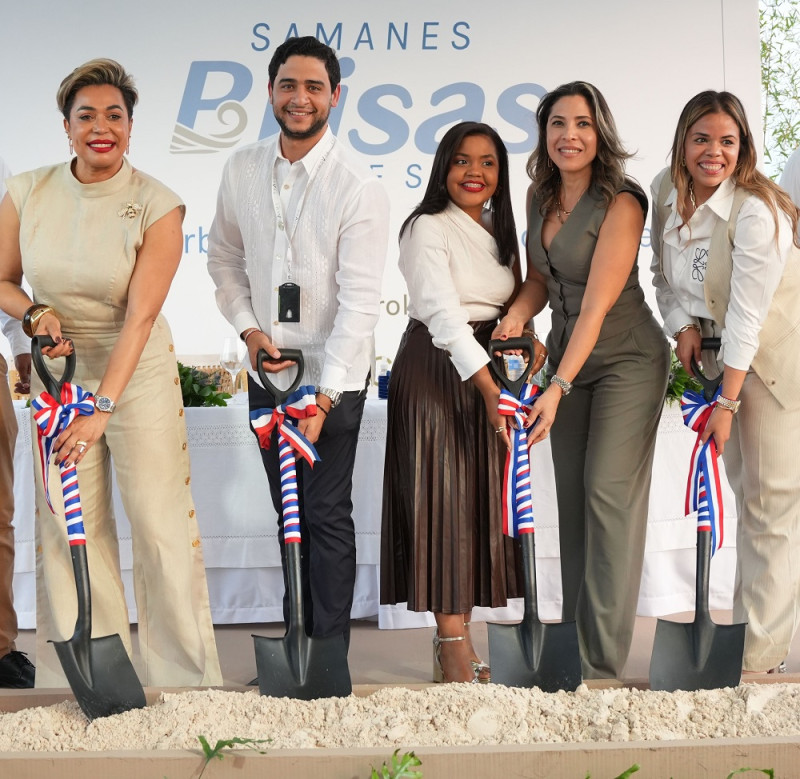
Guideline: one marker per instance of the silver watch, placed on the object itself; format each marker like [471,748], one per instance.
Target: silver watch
[102,403]
[566,386]
[334,395]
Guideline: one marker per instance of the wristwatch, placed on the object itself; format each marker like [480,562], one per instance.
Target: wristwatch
[566,386]
[30,319]
[102,403]
[334,395]
[729,404]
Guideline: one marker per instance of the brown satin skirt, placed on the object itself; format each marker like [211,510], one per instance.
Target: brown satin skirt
[442,542]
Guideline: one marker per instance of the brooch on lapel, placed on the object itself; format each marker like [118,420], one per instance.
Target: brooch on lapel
[130,210]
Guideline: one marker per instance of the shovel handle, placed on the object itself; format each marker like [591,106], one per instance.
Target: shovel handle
[523,342]
[51,384]
[709,386]
[80,566]
[286,354]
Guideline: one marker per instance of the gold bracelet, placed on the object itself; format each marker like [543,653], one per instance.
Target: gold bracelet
[247,333]
[691,326]
[31,317]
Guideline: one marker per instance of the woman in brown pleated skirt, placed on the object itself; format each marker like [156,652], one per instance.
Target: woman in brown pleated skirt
[442,547]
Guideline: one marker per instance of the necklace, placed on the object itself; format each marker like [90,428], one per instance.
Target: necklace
[561,210]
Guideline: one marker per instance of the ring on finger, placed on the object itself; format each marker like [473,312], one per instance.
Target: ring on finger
[81,446]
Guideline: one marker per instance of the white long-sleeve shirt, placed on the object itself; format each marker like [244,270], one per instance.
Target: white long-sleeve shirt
[331,240]
[450,264]
[758,264]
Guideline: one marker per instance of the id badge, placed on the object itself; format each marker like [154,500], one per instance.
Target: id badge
[289,302]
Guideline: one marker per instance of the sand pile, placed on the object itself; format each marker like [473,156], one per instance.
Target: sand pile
[393,717]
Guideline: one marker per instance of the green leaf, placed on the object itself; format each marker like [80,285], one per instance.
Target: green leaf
[216,751]
[199,389]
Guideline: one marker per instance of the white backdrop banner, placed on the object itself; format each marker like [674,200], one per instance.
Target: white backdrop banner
[409,71]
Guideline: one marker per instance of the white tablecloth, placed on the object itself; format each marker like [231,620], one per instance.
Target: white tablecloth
[239,526]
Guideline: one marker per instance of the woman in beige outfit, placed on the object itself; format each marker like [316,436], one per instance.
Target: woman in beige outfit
[99,243]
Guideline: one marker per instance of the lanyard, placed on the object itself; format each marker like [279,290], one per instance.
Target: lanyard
[280,220]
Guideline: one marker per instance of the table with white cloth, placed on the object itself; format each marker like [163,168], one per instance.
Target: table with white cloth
[239,526]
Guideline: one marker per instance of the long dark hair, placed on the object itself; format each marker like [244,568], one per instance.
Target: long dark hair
[435,199]
[745,174]
[608,166]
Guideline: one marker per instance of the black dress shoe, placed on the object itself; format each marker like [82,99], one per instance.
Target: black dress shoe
[16,671]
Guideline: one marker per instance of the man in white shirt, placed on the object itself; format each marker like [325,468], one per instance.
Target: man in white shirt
[296,251]
[15,669]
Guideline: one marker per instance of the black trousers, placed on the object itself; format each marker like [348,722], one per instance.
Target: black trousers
[328,545]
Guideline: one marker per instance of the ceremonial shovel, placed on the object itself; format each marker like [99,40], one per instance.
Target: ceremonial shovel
[98,670]
[699,655]
[531,653]
[297,666]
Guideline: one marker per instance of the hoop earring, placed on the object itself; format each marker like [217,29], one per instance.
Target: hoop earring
[549,162]
[71,151]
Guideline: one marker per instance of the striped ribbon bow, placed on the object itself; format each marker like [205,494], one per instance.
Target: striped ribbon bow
[51,418]
[517,495]
[300,404]
[703,490]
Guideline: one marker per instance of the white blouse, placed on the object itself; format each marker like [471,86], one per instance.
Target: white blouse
[758,264]
[453,274]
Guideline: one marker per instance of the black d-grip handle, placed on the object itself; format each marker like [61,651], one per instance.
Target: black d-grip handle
[51,384]
[296,356]
[709,386]
[523,342]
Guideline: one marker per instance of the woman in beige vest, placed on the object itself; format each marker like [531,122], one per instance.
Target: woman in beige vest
[99,242]
[725,263]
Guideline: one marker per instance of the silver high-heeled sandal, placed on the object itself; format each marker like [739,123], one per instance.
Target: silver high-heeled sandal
[438,671]
[479,666]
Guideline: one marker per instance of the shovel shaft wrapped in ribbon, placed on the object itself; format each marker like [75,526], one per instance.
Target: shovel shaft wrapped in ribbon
[703,490]
[517,494]
[299,405]
[52,416]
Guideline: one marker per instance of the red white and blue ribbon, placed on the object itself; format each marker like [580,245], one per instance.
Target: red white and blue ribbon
[51,418]
[517,494]
[300,404]
[703,490]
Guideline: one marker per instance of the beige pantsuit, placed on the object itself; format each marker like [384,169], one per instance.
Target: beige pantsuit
[761,464]
[146,437]
[760,457]
[79,245]
[8,436]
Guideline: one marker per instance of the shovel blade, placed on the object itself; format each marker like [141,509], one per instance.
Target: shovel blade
[297,666]
[101,676]
[534,654]
[698,655]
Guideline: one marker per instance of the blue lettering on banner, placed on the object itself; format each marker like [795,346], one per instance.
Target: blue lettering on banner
[193,101]
[259,33]
[212,117]
[429,33]
[383,107]
[464,38]
[334,40]
[201,237]
[424,37]
[414,180]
